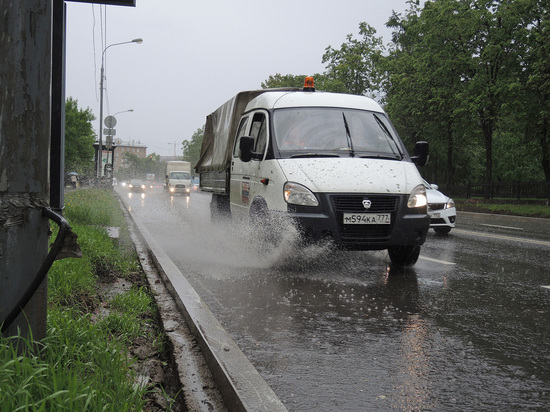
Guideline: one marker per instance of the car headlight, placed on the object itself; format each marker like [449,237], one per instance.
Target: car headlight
[418,197]
[172,189]
[450,203]
[297,194]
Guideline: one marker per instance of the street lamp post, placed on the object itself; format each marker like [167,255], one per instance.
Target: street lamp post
[100,146]
[124,111]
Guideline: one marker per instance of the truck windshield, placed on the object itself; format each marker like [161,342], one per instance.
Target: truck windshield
[180,175]
[316,132]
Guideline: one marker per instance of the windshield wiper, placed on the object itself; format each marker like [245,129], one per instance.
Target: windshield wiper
[348,135]
[388,134]
[394,156]
[298,155]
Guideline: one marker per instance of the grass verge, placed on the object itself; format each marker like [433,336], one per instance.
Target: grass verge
[486,206]
[88,360]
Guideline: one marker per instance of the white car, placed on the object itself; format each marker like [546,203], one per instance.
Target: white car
[441,209]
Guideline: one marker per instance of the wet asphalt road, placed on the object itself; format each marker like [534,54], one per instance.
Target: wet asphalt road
[466,328]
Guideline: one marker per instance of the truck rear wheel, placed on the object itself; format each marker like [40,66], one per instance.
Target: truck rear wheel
[404,255]
[219,207]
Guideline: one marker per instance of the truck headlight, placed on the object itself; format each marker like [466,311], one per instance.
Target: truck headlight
[296,194]
[417,197]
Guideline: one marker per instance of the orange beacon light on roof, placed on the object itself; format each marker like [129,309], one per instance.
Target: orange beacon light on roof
[309,85]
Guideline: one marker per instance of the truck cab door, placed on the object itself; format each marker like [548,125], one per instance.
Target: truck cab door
[236,179]
[245,175]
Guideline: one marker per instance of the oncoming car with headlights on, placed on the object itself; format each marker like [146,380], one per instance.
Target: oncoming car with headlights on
[136,185]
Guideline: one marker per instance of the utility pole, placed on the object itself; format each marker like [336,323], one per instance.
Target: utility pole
[174,143]
[26,73]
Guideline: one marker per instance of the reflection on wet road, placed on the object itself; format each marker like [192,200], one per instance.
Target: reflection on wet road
[465,329]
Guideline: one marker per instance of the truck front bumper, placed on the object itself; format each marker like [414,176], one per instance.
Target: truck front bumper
[326,221]
[179,189]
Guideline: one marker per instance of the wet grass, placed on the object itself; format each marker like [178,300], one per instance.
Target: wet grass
[501,207]
[85,361]
[75,368]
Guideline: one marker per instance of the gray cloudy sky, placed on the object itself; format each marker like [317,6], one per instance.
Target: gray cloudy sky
[197,54]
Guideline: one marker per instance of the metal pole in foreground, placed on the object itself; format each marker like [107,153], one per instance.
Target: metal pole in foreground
[100,146]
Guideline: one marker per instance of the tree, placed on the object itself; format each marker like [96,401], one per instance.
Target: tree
[356,65]
[286,80]
[192,149]
[532,87]
[79,138]
[425,86]
[459,64]
[140,167]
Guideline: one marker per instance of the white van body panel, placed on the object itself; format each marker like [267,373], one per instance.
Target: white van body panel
[320,175]
[278,100]
[352,175]
[245,191]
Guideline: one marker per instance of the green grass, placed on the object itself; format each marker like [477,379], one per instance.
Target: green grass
[129,316]
[484,206]
[84,362]
[74,369]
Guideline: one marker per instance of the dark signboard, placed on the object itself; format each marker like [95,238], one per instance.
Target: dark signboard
[131,3]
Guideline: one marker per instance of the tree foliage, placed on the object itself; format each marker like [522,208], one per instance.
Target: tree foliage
[79,138]
[466,65]
[356,65]
[192,149]
[469,76]
[322,82]
[139,167]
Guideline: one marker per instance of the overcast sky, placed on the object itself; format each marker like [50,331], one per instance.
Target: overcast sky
[196,55]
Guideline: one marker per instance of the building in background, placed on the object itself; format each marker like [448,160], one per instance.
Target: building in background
[123,147]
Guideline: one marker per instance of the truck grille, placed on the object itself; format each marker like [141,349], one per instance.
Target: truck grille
[354,204]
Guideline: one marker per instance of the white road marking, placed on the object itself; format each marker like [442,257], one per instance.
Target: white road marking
[502,227]
[443,262]
[492,235]
[546,287]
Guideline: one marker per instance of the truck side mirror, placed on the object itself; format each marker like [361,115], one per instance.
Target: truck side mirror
[246,145]
[421,153]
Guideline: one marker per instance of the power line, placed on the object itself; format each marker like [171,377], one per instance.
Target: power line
[95,54]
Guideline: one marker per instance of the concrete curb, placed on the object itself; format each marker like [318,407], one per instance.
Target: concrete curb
[240,384]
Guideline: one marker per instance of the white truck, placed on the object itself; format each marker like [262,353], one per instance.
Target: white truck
[333,163]
[178,177]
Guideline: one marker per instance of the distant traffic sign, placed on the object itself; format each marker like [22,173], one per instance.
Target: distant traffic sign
[110,121]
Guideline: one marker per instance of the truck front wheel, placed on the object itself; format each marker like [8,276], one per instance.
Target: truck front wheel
[265,227]
[404,255]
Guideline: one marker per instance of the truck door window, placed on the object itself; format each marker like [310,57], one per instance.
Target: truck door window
[258,131]
[240,133]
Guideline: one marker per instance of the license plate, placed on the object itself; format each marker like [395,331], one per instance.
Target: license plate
[435,215]
[367,218]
